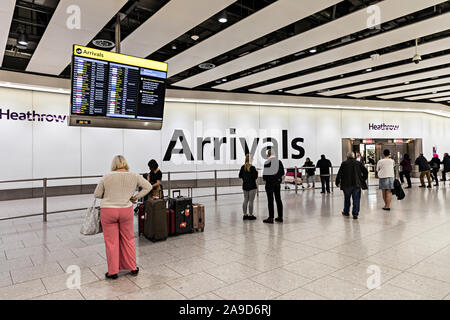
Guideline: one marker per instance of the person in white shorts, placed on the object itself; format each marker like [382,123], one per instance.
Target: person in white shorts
[385,169]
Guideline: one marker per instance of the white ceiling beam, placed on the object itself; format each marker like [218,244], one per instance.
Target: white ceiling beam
[429,96]
[403,79]
[442,99]
[269,19]
[54,51]
[405,87]
[414,93]
[336,29]
[170,22]
[367,45]
[428,63]
[6,15]
[399,55]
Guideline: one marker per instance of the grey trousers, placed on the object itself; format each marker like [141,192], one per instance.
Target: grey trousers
[249,198]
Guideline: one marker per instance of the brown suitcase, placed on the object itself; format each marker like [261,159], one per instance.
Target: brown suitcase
[198,217]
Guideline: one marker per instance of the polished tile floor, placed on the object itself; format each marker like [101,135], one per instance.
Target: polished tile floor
[316,254]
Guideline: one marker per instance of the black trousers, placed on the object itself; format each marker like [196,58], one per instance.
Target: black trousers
[325,182]
[434,175]
[443,174]
[407,175]
[273,190]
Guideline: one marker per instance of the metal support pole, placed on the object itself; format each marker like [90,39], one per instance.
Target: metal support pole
[44,199]
[118,33]
[169,184]
[295,179]
[331,179]
[215,184]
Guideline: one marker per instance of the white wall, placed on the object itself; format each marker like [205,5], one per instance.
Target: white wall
[40,149]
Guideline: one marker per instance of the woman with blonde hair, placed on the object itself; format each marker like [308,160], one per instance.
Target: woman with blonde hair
[248,174]
[117,190]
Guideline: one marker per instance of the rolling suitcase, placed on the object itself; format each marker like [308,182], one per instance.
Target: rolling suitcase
[171,222]
[198,217]
[182,208]
[155,221]
[141,216]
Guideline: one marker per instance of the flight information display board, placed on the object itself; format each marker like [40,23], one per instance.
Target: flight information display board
[116,86]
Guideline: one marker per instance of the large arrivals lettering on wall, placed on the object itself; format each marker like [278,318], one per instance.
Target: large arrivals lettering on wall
[247,147]
[31,116]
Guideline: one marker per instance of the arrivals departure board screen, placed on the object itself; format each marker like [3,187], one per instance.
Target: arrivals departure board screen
[116,86]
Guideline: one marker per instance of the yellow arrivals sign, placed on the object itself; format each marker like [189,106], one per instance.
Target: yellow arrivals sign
[118,58]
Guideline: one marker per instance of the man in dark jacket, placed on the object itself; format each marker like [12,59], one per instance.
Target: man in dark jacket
[350,178]
[324,166]
[446,163]
[272,174]
[424,169]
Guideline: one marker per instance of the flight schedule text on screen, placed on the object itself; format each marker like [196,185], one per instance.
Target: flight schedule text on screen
[117,86]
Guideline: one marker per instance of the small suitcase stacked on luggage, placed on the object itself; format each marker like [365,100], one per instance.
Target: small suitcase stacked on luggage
[182,210]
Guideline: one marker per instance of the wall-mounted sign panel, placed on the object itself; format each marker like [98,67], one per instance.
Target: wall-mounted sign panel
[115,90]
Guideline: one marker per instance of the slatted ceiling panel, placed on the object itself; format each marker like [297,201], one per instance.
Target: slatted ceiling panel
[54,50]
[336,29]
[424,49]
[6,15]
[415,93]
[275,16]
[409,32]
[441,99]
[343,26]
[370,76]
[400,88]
[402,79]
[429,96]
[170,22]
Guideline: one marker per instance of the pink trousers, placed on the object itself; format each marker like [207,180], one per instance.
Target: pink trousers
[117,224]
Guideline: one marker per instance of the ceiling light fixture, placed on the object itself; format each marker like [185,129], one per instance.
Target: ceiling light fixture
[313,50]
[223,18]
[195,37]
[23,39]
[369,69]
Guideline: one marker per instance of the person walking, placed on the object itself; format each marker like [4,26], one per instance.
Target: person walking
[446,163]
[406,170]
[435,165]
[249,175]
[272,174]
[117,190]
[360,158]
[324,166]
[310,170]
[350,179]
[424,169]
[386,175]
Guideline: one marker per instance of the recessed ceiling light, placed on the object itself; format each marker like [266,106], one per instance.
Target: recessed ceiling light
[369,69]
[195,37]
[174,47]
[281,90]
[313,50]
[407,82]
[224,80]
[223,18]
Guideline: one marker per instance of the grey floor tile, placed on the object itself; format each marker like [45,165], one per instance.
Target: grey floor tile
[60,282]
[154,275]
[68,294]
[247,290]
[108,289]
[196,284]
[281,280]
[336,289]
[22,291]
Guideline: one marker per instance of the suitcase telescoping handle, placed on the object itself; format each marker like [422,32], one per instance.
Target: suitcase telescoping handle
[176,191]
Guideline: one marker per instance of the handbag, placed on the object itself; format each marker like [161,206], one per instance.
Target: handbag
[91,224]
[363,182]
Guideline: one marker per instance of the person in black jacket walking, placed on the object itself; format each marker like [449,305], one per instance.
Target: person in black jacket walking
[350,178]
[272,175]
[248,174]
[424,169]
[446,163]
[310,170]
[435,165]
[324,166]
[406,170]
